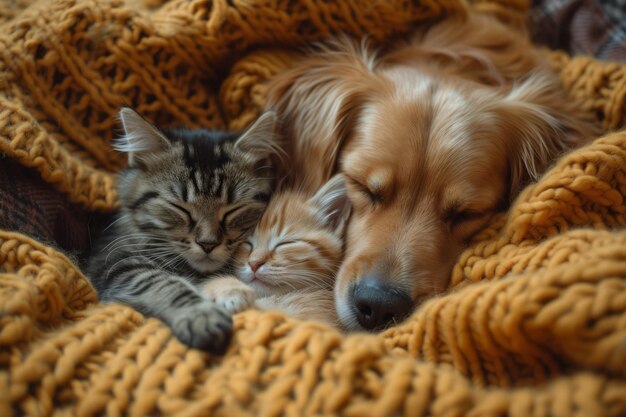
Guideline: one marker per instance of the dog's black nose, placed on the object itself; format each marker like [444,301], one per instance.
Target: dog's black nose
[378,305]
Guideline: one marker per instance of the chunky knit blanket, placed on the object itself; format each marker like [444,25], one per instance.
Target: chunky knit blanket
[534,323]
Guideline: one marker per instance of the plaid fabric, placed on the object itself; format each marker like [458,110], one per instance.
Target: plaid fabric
[31,206]
[581,27]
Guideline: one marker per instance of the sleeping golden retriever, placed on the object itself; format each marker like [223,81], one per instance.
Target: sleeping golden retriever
[434,136]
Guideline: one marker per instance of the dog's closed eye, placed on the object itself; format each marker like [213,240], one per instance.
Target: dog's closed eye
[463,216]
[373,195]
[465,222]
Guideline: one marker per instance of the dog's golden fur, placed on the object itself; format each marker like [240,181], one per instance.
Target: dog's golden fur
[433,136]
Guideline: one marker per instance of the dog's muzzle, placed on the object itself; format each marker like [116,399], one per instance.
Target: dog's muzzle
[377,305]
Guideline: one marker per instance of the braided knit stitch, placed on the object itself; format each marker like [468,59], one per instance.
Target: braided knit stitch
[534,325]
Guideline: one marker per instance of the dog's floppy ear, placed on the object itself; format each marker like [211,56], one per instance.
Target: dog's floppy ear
[538,123]
[318,102]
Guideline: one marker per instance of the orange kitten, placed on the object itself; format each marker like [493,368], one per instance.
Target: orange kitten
[291,260]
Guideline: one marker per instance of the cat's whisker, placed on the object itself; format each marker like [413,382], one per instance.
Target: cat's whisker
[121,260]
[310,273]
[137,236]
[162,255]
[175,257]
[180,262]
[159,256]
[146,247]
[317,285]
[163,261]
[119,219]
[289,284]
[120,239]
[158,251]
[140,245]
[311,280]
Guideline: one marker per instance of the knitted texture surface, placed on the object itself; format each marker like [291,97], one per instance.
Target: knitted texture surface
[534,324]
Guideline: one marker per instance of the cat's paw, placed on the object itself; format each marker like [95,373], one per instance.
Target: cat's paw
[229,293]
[204,326]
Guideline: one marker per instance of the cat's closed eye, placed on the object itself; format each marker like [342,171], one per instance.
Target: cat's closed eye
[231,213]
[160,215]
[285,243]
[191,222]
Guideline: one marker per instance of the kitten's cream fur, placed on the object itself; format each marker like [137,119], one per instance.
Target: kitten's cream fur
[290,262]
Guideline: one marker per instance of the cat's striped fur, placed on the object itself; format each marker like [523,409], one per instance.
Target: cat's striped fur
[189,198]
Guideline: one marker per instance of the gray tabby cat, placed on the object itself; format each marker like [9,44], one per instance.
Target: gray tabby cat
[188,199]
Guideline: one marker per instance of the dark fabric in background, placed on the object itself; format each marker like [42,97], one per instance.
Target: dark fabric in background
[581,27]
[31,206]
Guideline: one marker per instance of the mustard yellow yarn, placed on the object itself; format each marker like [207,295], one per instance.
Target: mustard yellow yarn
[535,323]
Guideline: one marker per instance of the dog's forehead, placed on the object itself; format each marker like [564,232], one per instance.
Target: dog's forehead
[425,144]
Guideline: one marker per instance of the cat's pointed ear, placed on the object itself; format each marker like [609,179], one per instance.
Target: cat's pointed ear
[140,137]
[260,139]
[332,204]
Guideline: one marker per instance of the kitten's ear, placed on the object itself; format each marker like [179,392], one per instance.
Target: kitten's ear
[332,204]
[260,139]
[140,137]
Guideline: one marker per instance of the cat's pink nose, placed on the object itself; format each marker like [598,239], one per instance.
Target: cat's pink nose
[254,265]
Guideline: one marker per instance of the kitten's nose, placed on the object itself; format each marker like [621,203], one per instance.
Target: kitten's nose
[208,245]
[254,265]
[377,305]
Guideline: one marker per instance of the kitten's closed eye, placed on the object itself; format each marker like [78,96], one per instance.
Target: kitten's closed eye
[230,213]
[191,222]
[157,215]
[243,218]
[285,243]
